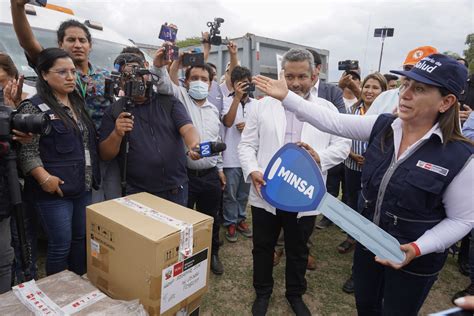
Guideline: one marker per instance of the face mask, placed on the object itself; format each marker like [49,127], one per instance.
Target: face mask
[198,90]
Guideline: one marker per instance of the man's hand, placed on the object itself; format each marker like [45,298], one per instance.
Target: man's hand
[222,179]
[22,138]
[240,90]
[257,180]
[410,254]
[159,57]
[277,89]
[123,124]
[240,126]
[51,185]
[12,91]
[19,3]
[463,115]
[345,81]
[311,151]
[193,151]
[232,47]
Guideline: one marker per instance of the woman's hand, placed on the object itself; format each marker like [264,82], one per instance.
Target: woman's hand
[22,138]
[51,185]
[13,91]
[466,302]
[410,254]
[357,158]
[277,89]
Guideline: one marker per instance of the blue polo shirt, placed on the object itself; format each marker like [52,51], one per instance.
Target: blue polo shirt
[156,159]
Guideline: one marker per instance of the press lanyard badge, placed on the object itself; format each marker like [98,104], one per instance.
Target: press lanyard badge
[88,157]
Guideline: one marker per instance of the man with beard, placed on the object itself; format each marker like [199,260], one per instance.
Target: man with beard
[268,128]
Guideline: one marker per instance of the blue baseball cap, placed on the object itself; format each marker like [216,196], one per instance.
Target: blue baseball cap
[438,70]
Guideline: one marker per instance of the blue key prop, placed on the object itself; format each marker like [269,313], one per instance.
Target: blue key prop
[294,184]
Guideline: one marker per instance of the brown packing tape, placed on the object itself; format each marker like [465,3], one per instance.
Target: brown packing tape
[155,288]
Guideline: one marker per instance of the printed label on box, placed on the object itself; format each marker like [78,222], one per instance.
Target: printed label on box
[95,248]
[183,279]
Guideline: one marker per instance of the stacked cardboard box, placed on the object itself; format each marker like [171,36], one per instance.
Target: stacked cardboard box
[149,248]
[64,293]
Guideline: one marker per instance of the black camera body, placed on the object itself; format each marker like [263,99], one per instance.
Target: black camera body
[193,59]
[26,123]
[214,33]
[347,65]
[250,87]
[134,84]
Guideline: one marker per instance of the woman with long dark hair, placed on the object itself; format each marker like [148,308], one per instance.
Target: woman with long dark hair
[61,167]
[416,180]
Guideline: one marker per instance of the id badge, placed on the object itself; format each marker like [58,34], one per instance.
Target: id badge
[88,157]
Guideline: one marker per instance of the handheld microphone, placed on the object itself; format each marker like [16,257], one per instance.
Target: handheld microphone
[208,149]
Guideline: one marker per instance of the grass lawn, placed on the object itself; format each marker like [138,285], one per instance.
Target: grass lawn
[233,294]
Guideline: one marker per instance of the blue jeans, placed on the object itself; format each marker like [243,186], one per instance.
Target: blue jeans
[236,195]
[64,221]
[6,256]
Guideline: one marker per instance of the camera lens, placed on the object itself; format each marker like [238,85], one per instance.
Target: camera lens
[31,123]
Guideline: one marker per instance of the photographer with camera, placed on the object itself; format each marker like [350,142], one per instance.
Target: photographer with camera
[154,125]
[206,177]
[11,84]
[61,168]
[237,190]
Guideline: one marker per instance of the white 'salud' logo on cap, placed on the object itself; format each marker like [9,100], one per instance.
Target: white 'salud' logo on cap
[428,64]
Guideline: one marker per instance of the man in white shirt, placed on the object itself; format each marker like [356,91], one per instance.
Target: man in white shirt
[268,128]
[206,178]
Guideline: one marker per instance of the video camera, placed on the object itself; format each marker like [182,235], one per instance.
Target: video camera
[132,78]
[347,65]
[214,33]
[26,123]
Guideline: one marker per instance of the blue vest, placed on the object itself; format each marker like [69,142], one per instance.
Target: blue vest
[410,196]
[62,153]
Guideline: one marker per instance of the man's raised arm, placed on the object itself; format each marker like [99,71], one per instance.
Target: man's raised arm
[23,31]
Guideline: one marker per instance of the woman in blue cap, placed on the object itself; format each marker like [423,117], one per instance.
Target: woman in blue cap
[418,171]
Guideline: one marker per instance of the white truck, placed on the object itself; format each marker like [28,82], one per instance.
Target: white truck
[45,21]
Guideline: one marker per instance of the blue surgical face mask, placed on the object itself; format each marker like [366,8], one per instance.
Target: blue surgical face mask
[198,90]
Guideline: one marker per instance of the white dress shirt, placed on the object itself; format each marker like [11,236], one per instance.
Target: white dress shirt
[205,118]
[264,135]
[458,199]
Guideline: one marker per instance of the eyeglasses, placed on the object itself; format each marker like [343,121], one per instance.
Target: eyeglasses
[64,72]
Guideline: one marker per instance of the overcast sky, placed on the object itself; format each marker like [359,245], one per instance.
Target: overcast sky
[343,27]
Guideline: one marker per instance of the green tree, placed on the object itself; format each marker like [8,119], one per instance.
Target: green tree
[451,53]
[469,52]
[190,41]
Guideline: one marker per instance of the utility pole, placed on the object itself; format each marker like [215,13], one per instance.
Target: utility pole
[383,33]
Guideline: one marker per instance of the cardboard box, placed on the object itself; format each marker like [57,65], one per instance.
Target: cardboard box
[137,248]
[64,293]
